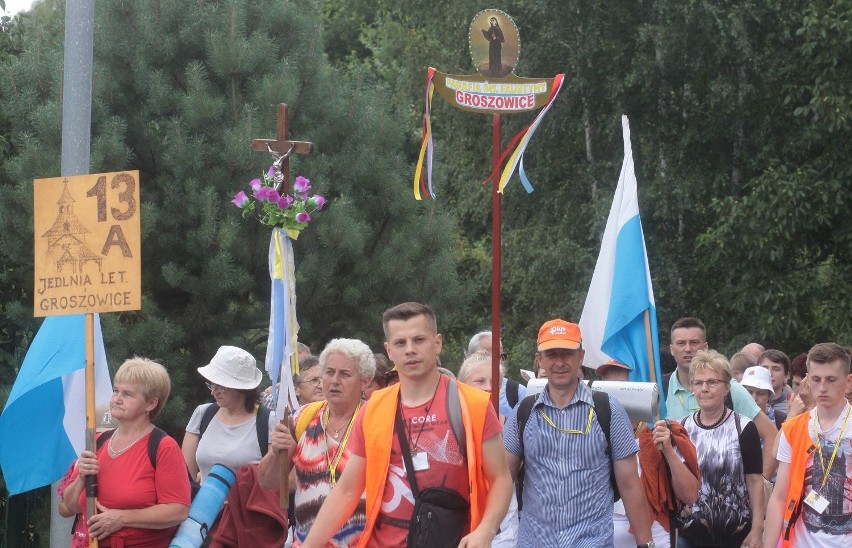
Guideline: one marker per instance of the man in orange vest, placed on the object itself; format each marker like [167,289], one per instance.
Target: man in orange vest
[415,414]
[810,505]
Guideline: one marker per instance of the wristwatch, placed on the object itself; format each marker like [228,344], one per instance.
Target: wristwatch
[647,545]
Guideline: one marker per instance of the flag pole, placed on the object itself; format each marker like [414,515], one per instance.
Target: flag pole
[496,227]
[649,344]
[91,421]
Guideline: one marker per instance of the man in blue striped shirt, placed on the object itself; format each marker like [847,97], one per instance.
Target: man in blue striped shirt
[567,492]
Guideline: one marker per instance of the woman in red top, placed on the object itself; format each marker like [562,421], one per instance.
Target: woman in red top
[138,505]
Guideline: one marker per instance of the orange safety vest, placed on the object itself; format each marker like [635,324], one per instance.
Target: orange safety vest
[802,445]
[378,423]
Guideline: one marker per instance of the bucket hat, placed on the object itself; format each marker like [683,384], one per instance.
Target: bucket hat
[232,367]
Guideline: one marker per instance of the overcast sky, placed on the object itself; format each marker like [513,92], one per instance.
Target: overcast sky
[14,6]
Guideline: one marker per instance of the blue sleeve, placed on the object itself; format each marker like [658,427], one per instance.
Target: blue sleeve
[510,434]
[743,402]
[621,439]
[522,392]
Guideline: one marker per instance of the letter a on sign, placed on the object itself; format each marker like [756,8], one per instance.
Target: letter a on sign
[87,244]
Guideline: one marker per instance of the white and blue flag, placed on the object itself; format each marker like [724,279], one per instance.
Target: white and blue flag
[613,322]
[43,425]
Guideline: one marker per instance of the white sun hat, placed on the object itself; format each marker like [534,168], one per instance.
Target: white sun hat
[757,377]
[232,367]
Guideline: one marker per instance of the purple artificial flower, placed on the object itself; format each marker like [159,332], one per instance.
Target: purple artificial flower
[317,201]
[302,217]
[240,200]
[255,184]
[266,194]
[302,185]
[285,201]
[270,174]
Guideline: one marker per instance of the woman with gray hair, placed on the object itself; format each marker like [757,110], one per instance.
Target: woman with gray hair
[315,444]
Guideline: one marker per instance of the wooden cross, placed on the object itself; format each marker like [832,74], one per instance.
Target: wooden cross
[282,145]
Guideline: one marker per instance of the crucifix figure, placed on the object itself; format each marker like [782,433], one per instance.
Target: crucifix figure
[281,148]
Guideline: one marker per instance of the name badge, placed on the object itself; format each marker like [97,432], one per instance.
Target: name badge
[817,502]
[420,460]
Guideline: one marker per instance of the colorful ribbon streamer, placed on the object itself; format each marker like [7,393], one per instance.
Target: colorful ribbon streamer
[426,145]
[281,349]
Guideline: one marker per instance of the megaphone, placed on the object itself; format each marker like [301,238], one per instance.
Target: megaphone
[641,400]
[205,507]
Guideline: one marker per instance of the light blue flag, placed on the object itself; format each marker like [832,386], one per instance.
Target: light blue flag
[43,426]
[613,322]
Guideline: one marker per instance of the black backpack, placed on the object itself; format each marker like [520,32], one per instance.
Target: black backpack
[512,392]
[603,412]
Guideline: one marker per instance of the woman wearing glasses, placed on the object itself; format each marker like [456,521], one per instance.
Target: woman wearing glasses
[730,508]
[227,433]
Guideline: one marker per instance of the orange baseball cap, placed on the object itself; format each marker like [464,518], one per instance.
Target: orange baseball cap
[559,334]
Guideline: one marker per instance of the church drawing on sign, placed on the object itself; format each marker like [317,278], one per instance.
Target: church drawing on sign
[66,239]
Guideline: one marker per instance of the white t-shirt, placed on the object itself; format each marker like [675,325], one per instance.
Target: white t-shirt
[230,445]
[833,527]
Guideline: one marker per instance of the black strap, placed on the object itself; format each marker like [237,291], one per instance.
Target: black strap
[524,411]
[512,392]
[208,415]
[406,450]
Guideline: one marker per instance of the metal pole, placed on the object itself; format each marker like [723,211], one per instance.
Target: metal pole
[76,144]
[496,228]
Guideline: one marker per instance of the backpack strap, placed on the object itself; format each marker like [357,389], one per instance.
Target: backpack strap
[307,414]
[512,392]
[455,417]
[208,415]
[524,411]
[157,435]
[262,425]
[603,412]
[102,439]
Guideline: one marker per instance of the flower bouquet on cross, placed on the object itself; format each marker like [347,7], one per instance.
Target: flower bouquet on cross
[290,212]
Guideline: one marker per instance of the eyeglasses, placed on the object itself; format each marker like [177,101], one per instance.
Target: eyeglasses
[711,383]
[503,356]
[312,382]
[211,386]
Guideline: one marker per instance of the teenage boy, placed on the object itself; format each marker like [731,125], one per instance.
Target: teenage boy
[810,505]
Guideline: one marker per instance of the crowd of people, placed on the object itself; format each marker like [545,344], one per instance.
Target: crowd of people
[391,449]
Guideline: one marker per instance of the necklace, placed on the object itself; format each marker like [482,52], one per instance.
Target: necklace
[115,453]
[715,424]
[422,424]
[327,426]
[335,461]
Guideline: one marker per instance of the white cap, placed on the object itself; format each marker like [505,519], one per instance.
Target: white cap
[757,377]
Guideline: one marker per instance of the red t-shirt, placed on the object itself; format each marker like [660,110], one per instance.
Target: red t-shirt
[428,429]
[129,482]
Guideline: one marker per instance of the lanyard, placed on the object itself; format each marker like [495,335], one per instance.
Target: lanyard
[570,430]
[825,472]
[332,463]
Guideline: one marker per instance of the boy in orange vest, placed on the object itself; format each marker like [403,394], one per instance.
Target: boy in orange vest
[478,472]
[812,501]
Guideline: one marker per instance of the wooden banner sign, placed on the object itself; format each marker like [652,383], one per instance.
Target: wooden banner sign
[87,244]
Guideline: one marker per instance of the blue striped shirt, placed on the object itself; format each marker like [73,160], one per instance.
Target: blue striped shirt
[567,492]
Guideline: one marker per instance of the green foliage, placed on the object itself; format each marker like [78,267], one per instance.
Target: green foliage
[180,90]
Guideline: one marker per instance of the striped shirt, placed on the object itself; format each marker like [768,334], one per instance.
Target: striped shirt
[567,492]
